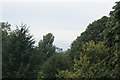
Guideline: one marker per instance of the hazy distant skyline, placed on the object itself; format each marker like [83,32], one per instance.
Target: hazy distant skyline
[65,20]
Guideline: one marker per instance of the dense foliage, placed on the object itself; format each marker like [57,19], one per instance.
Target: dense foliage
[93,32]
[94,54]
[105,65]
[90,63]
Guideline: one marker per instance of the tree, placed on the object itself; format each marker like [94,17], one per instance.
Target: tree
[17,51]
[90,63]
[112,32]
[112,40]
[5,57]
[46,47]
[93,32]
[54,64]
[45,50]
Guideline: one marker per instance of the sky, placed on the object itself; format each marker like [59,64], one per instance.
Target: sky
[66,19]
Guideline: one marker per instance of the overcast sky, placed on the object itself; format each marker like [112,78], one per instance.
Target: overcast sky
[65,19]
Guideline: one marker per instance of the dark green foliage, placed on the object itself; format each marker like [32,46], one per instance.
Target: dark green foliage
[112,41]
[96,60]
[46,47]
[54,64]
[93,32]
[17,51]
[112,32]
[5,57]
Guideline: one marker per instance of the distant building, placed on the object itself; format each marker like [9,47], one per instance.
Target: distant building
[59,50]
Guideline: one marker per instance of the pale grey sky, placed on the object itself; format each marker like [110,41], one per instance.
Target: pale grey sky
[66,20]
